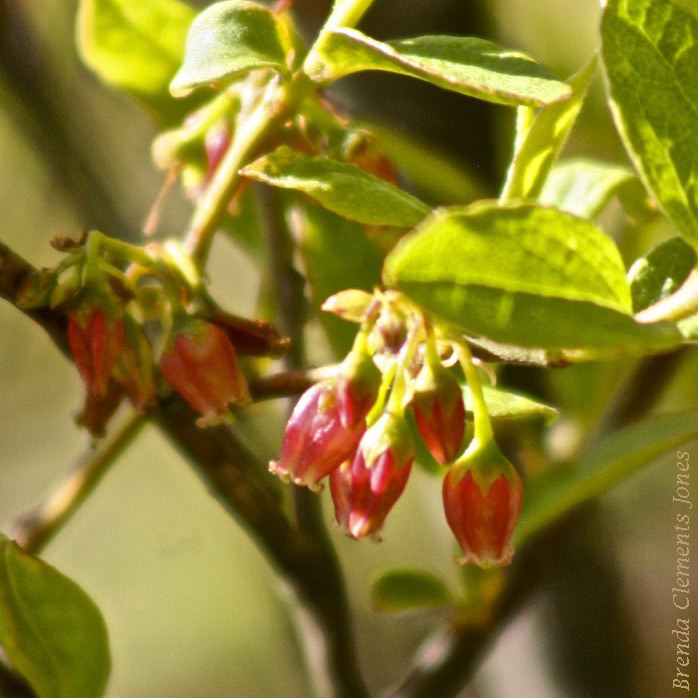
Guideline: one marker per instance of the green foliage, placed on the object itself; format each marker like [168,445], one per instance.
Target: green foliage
[137,47]
[562,489]
[50,629]
[467,65]
[650,52]
[342,188]
[503,404]
[409,590]
[320,234]
[541,138]
[228,39]
[524,275]
[584,187]
[660,272]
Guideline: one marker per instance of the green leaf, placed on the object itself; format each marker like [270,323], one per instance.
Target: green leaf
[650,52]
[136,47]
[342,188]
[502,404]
[560,490]
[541,138]
[524,275]
[228,39]
[471,66]
[661,272]
[585,187]
[336,254]
[408,590]
[52,632]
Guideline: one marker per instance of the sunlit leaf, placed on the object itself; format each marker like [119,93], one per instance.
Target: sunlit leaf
[524,275]
[228,39]
[542,139]
[342,188]
[52,632]
[137,47]
[650,52]
[471,66]
[503,404]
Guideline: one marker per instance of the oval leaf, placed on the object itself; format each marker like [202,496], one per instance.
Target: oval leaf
[50,629]
[525,275]
[650,52]
[342,188]
[661,272]
[137,47]
[559,491]
[227,39]
[408,590]
[471,66]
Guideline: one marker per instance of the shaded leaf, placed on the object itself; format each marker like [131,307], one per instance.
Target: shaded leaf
[52,632]
[660,272]
[541,138]
[650,52]
[336,254]
[584,187]
[559,491]
[137,47]
[468,65]
[525,275]
[228,39]
[342,188]
[408,590]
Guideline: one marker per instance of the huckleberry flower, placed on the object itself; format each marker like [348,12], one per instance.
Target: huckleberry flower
[95,341]
[482,499]
[202,366]
[365,489]
[358,382]
[439,411]
[315,442]
[134,367]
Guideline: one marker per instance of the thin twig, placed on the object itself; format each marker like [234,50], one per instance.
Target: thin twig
[34,530]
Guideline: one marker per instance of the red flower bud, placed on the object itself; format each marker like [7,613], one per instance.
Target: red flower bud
[482,502]
[439,412]
[95,343]
[358,383]
[203,368]
[134,368]
[365,489]
[315,442]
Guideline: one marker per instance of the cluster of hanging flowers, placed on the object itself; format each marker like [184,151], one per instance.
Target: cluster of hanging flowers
[353,429]
[140,323]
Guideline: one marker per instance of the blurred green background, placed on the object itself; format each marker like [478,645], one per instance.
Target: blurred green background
[192,608]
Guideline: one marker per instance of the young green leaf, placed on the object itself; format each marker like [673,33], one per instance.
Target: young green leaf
[228,39]
[52,632]
[584,187]
[661,272]
[409,590]
[342,188]
[525,275]
[471,66]
[650,52]
[502,404]
[137,47]
[561,490]
[539,144]
[336,254]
